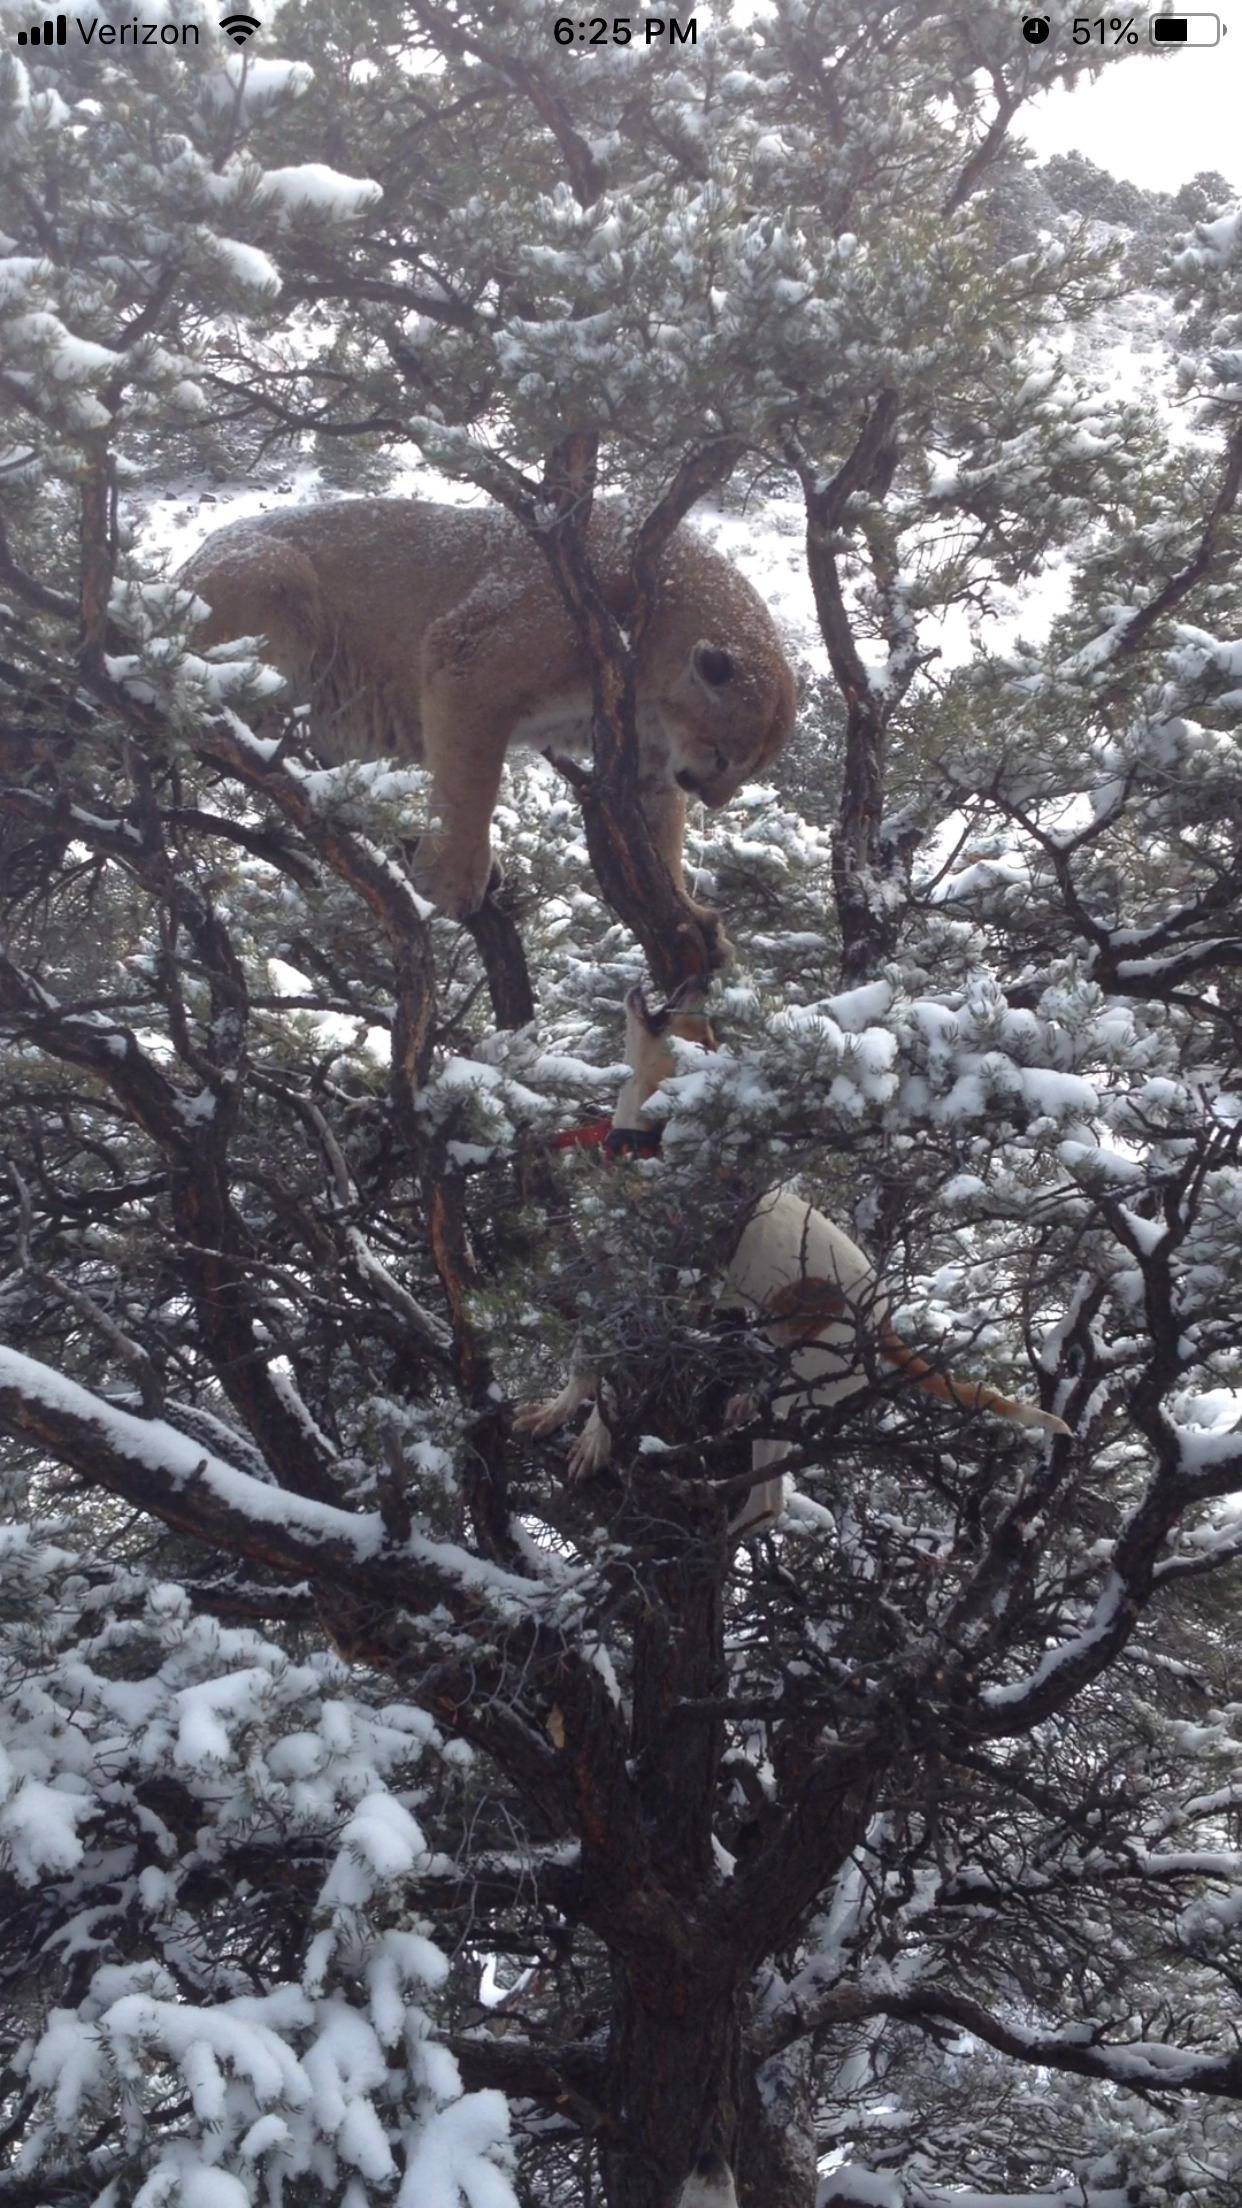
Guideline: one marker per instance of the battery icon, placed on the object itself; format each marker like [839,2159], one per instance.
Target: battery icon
[1185,30]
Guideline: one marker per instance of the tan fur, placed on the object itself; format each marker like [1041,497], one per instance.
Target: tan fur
[797,1269]
[650,1061]
[436,633]
[808,1277]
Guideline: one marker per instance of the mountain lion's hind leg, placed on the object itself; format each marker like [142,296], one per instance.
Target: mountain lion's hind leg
[466,722]
[452,865]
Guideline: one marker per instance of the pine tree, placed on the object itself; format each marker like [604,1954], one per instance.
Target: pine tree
[384,1815]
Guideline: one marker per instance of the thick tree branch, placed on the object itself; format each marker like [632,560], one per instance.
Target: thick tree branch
[1142,2066]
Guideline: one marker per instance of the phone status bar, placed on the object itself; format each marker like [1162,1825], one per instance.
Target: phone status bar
[1129,30]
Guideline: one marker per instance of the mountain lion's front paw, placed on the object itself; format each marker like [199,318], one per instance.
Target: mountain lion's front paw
[455,886]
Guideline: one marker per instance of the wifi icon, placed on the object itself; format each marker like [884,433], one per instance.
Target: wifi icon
[239,27]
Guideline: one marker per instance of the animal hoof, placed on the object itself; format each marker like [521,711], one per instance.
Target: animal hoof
[719,948]
[590,1452]
[539,1419]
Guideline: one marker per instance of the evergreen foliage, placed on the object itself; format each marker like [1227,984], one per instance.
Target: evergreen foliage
[384,1817]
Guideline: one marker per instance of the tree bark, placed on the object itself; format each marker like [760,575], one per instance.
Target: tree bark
[499,946]
[776,2160]
[676,2046]
[868,871]
[681,940]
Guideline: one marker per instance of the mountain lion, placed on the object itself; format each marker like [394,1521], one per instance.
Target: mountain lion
[436,633]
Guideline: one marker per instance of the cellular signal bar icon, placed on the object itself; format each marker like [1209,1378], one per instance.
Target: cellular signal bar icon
[49,35]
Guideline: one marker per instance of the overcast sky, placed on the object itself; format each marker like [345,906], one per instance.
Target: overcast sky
[1155,121]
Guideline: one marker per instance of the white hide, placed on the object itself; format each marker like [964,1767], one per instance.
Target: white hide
[709,2185]
[786,1241]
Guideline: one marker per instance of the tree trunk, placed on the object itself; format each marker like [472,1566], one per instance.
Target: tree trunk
[675,2037]
[689,2085]
[676,2053]
[776,2161]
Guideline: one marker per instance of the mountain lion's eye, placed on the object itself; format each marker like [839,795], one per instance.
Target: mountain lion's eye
[715,666]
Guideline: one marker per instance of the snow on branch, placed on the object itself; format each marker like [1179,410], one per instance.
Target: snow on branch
[1146,2065]
[161,1471]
